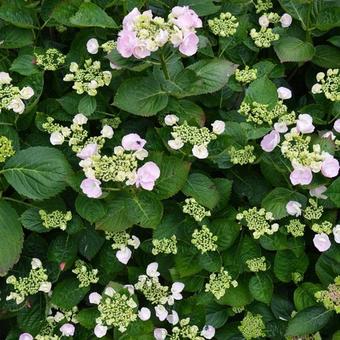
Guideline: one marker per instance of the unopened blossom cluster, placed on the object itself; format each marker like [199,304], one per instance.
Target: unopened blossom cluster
[328,84]
[257,264]
[225,25]
[55,219]
[243,155]
[259,221]
[36,281]
[204,240]
[85,274]
[6,148]
[50,60]
[143,33]
[330,297]
[197,138]
[89,78]
[252,326]
[247,75]
[164,245]
[194,209]
[93,46]
[120,242]
[11,97]
[219,283]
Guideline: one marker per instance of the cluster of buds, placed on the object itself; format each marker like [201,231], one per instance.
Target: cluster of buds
[328,84]
[194,209]
[85,274]
[224,26]
[6,148]
[252,326]
[51,60]
[55,219]
[11,97]
[143,34]
[219,283]
[204,240]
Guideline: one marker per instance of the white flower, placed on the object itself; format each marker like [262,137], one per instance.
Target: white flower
[161,312]
[318,192]
[134,242]
[176,290]
[171,120]
[151,269]
[160,333]
[336,233]
[67,329]
[58,316]
[17,105]
[305,123]
[80,119]
[284,93]
[25,336]
[109,291]
[123,255]
[45,287]
[107,131]
[316,88]
[294,208]
[56,138]
[208,332]
[73,67]
[200,151]
[218,127]
[141,154]
[175,144]
[36,263]
[264,21]
[173,318]
[329,135]
[26,92]
[286,20]
[130,288]
[281,127]
[5,78]
[144,314]
[95,298]
[100,331]
[92,46]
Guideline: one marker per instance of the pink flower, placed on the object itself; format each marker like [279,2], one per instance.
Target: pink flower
[293,208]
[67,329]
[337,125]
[301,175]
[322,242]
[189,44]
[186,18]
[147,175]
[318,192]
[91,187]
[133,142]
[88,151]
[26,336]
[141,52]
[129,19]
[305,123]
[270,141]
[126,43]
[330,167]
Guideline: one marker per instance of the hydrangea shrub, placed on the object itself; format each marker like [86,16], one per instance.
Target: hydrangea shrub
[169,169]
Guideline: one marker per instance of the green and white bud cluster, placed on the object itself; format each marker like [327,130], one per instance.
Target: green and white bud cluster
[6,148]
[263,5]
[35,282]
[264,37]
[85,274]
[219,283]
[323,227]
[257,264]
[109,46]
[247,75]
[51,60]
[330,298]
[89,78]
[194,209]
[57,315]
[258,221]
[295,228]
[224,26]
[313,211]
[252,326]
[55,219]
[185,331]
[165,245]
[204,240]
[11,97]
[328,84]
[242,156]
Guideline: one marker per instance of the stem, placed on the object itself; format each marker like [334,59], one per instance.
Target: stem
[164,67]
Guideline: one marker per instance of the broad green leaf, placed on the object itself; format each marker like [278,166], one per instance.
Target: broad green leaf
[87,317]
[24,65]
[327,56]
[328,18]
[327,266]
[227,231]
[237,296]
[298,9]
[11,237]
[67,294]
[37,172]
[14,12]
[308,321]
[91,15]
[31,220]
[291,49]
[87,105]
[203,189]
[14,37]
[304,295]
[277,200]
[261,287]
[90,243]
[210,261]
[141,96]
[90,209]
[335,40]
[201,7]
[333,192]
[186,261]
[62,10]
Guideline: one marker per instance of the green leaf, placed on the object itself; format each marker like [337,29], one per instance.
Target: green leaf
[174,173]
[202,189]
[291,49]
[210,261]
[333,192]
[11,237]
[327,56]
[14,12]
[201,7]
[14,37]
[62,10]
[37,172]
[298,9]
[328,18]
[277,200]
[91,15]
[308,321]
[261,287]
[67,294]
[31,220]
[87,317]
[141,96]
[304,295]
[327,266]
[335,40]
[87,105]
[237,296]
[213,75]
[24,65]
[90,243]
[89,209]
[227,231]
